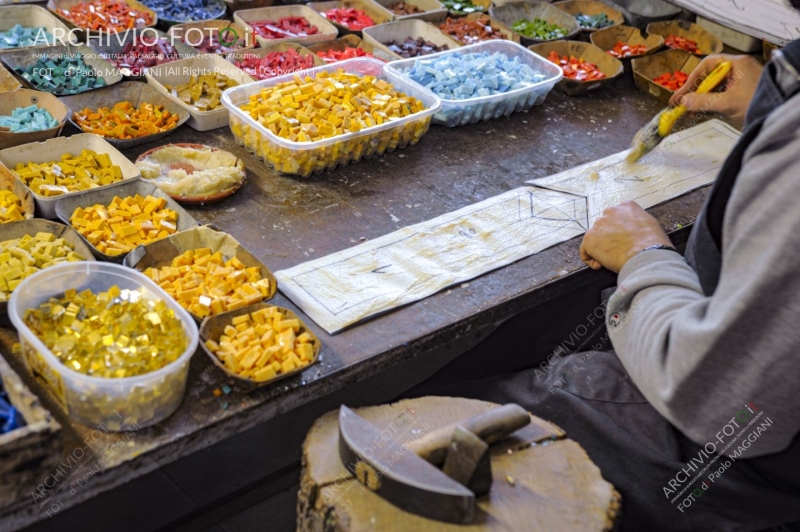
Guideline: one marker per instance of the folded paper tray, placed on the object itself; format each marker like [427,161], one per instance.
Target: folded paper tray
[212,328]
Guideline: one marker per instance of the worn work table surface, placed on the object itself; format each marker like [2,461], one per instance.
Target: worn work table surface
[286,220]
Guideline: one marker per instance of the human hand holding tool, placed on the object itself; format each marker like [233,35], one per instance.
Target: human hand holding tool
[740,86]
[653,133]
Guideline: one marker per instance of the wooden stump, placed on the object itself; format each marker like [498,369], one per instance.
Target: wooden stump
[541,480]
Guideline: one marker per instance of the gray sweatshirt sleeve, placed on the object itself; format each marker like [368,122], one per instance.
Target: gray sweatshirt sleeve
[699,360]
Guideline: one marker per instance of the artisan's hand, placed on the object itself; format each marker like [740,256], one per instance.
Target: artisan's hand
[619,234]
[732,98]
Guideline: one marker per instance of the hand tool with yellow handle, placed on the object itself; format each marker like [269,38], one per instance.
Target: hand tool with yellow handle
[653,133]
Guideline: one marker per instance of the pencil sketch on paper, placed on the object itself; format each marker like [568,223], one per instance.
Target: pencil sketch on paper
[419,260]
[681,163]
[415,262]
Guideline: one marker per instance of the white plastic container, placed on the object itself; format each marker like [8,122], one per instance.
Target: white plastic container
[462,112]
[179,72]
[327,31]
[51,150]
[31,16]
[305,158]
[117,404]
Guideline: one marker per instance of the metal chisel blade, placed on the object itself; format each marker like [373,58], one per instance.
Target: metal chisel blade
[398,475]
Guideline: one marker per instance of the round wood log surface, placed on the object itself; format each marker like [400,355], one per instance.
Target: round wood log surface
[541,480]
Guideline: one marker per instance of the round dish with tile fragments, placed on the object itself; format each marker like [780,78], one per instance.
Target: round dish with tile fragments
[192,174]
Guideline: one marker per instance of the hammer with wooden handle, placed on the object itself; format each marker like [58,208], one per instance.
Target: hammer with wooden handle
[490,426]
[411,480]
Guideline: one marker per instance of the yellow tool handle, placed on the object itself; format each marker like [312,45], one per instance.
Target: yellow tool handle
[668,118]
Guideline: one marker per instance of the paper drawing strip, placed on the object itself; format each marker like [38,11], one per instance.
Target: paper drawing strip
[417,261]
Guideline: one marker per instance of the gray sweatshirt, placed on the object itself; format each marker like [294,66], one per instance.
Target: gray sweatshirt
[699,360]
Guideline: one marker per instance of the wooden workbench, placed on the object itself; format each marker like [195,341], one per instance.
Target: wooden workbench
[286,220]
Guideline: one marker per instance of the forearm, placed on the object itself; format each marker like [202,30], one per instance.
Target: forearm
[699,359]
[658,307]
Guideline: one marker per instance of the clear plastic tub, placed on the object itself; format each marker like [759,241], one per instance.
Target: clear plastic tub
[117,404]
[305,158]
[462,112]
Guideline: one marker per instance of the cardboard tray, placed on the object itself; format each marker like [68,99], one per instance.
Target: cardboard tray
[353,41]
[67,205]
[9,181]
[211,329]
[8,82]
[101,67]
[164,74]
[135,92]
[116,46]
[379,14]
[30,453]
[243,32]
[23,98]
[430,10]
[280,47]
[30,16]
[487,20]
[161,253]
[607,64]
[640,13]
[51,150]
[55,5]
[19,229]
[652,66]
[485,4]
[327,31]
[508,14]
[734,39]
[706,41]
[607,38]
[402,29]
[223,9]
[591,8]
